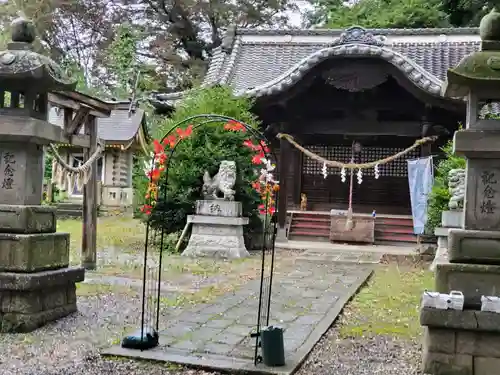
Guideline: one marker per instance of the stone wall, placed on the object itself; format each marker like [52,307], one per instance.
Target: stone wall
[468,345]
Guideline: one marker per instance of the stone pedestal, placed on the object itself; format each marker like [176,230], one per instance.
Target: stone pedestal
[217,230]
[36,285]
[460,342]
[449,220]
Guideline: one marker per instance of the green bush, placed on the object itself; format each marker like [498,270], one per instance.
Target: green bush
[440,196]
[203,151]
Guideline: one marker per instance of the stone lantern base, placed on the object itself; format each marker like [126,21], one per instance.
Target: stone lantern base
[460,342]
[36,284]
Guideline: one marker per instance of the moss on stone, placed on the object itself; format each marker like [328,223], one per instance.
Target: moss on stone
[477,66]
[489,28]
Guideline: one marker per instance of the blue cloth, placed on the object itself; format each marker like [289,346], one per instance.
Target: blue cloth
[420,179]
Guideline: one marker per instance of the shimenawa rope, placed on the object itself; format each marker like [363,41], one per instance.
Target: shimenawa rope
[62,171]
[338,164]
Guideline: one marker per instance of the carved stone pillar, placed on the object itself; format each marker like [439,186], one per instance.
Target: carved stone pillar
[462,342]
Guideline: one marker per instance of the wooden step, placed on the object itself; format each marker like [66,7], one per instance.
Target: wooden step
[394,222]
[310,233]
[316,226]
[310,225]
[312,219]
[404,230]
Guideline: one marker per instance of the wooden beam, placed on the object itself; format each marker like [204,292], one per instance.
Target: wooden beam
[95,103]
[89,230]
[63,102]
[358,127]
[74,124]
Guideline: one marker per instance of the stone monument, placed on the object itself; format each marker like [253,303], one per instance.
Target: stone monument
[452,218]
[218,223]
[36,285]
[468,342]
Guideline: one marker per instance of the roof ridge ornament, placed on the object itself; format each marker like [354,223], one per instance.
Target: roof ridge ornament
[359,35]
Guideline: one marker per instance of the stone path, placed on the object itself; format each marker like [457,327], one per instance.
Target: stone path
[307,297]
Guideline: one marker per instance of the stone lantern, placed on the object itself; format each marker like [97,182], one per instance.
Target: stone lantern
[468,342]
[36,285]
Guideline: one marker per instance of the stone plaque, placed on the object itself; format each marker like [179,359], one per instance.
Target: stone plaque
[482,202]
[21,174]
[218,207]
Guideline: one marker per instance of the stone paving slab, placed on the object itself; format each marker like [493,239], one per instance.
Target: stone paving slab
[306,300]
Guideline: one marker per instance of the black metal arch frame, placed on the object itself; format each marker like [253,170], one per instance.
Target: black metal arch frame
[151,287]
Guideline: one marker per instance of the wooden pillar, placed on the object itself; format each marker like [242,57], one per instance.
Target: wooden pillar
[283,171]
[89,233]
[297,176]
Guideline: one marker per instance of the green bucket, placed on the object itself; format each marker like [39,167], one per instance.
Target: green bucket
[273,349]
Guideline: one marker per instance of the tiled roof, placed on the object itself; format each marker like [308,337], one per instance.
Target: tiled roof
[263,62]
[119,127]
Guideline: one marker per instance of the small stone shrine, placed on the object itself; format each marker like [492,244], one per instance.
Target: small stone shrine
[36,285]
[468,342]
[218,223]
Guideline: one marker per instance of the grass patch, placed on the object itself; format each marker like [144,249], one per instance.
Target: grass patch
[88,290]
[389,304]
[126,234]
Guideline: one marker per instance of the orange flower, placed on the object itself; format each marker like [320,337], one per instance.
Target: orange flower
[235,126]
[276,187]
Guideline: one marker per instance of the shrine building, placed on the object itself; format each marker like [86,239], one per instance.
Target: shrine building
[381,88]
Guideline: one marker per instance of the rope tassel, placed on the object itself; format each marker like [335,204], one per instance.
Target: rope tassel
[61,171]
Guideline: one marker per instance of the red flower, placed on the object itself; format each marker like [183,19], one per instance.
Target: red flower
[184,133]
[262,209]
[146,209]
[271,210]
[248,143]
[257,159]
[162,158]
[158,147]
[171,140]
[154,175]
[256,186]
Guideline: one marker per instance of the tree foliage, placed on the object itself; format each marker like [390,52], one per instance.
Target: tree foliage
[202,151]
[174,39]
[397,13]
[440,195]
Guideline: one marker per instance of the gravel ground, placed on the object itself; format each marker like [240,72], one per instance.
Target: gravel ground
[71,345]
